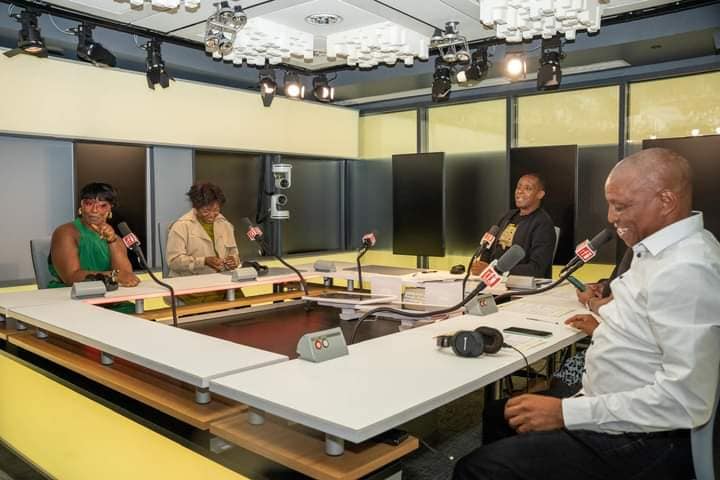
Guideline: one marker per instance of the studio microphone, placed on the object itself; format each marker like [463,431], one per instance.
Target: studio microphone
[368,241]
[133,243]
[586,251]
[255,235]
[489,277]
[583,253]
[486,242]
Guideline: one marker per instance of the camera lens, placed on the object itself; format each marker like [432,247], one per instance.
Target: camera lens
[284,183]
[281,200]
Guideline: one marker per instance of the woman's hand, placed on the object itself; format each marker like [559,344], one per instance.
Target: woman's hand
[594,290]
[477,267]
[106,232]
[231,263]
[127,279]
[216,263]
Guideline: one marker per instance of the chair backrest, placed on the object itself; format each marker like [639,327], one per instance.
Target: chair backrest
[705,459]
[163,228]
[557,239]
[39,252]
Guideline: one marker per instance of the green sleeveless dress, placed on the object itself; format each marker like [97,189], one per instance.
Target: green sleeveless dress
[94,254]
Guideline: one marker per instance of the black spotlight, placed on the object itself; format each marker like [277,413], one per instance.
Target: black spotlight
[549,74]
[91,51]
[441,83]
[476,71]
[293,86]
[322,91]
[155,66]
[268,86]
[30,40]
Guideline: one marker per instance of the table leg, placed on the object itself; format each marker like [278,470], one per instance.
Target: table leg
[202,395]
[40,334]
[106,359]
[139,306]
[334,446]
[255,417]
[350,285]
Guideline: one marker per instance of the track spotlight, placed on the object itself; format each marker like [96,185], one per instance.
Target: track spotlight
[476,71]
[30,40]
[441,82]
[155,66]
[293,86]
[322,91]
[91,51]
[451,46]
[549,74]
[268,86]
[515,66]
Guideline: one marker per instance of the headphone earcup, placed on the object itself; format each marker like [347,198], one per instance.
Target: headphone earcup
[467,343]
[492,339]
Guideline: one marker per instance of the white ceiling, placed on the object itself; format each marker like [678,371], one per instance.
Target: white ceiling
[417,15]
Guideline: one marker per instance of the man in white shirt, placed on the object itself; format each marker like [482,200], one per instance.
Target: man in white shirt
[652,366]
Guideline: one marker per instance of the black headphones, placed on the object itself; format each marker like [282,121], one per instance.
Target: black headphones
[472,343]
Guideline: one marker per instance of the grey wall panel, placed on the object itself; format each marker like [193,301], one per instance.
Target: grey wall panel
[370,201]
[476,197]
[594,164]
[315,206]
[172,177]
[36,197]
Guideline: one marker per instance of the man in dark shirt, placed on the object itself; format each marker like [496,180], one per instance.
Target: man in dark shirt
[529,226]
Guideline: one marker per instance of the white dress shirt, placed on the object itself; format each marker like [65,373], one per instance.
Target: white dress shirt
[653,361]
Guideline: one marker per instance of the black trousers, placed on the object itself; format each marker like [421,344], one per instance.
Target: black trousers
[574,454]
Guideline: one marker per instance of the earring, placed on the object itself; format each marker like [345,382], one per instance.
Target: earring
[109,215]
[79,212]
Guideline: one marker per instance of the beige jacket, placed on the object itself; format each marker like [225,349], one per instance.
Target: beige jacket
[188,244]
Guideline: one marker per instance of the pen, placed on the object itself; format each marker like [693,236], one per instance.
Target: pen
[542,320]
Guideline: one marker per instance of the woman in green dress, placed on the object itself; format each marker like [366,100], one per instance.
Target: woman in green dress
[89,245]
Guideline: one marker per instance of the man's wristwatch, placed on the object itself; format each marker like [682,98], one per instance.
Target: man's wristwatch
[114,274]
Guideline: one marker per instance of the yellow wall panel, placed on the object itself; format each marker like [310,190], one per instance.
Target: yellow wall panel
[582,117]
[674,107]
[467,128]
[382,136]
[68,99]
[70,436]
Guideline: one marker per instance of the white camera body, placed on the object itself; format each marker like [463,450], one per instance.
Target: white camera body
[283,175]
[277,201]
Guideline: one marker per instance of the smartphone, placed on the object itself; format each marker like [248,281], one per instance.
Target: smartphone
[528,331]
[576,283]
[394,436]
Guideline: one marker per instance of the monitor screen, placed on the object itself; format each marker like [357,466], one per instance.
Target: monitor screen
[419,204]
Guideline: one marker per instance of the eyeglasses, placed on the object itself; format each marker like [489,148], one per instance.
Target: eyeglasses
[209,210]
[95,204]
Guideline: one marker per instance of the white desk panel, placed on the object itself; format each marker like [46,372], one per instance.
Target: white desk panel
[386,381]
[33,297]
[181,354]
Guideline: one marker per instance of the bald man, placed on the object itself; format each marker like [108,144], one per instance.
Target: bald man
[652,367]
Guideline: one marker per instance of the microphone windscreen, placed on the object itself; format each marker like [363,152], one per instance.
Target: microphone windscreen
[494,230]
[510,258]
[602,238]
[124,229]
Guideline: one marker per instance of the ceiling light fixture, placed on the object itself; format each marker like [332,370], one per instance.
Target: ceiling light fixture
[155,66]
[323,19]
[451,46]
[168,4]
[322,91]
[293,87]
[91,51]
[441,82]
[30,40]
[516,21]
[221,29]
[549,73]
[515,66]
[476,71]
[268,86]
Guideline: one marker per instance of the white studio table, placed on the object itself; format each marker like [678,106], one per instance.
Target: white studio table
[187,356]
[386,381]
